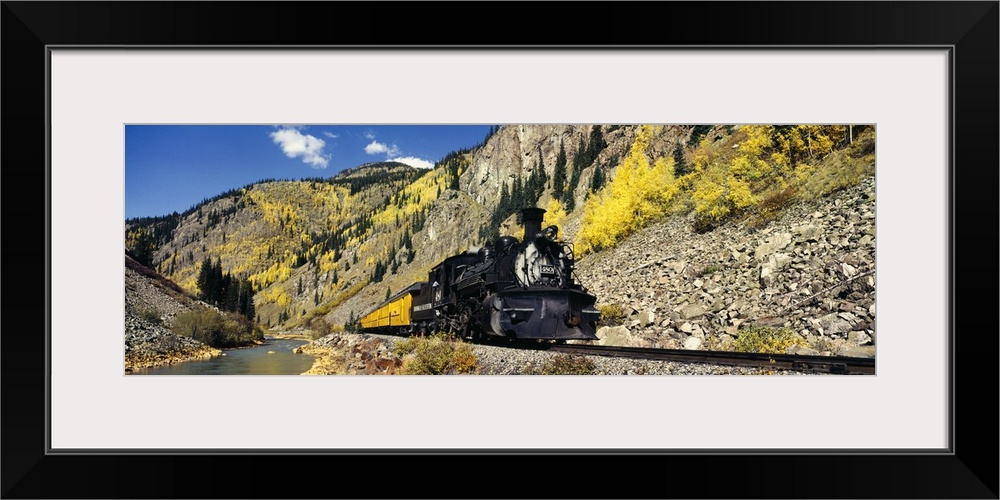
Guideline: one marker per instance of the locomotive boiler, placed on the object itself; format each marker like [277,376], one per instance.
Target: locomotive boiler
[507,289]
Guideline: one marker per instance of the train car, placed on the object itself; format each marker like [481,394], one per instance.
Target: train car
[508,289]
[393,315]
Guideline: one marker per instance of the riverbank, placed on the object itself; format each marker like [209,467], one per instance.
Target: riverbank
[288,335]
[150,346]
[348,354]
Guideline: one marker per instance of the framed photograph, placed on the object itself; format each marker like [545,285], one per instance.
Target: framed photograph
[924,74]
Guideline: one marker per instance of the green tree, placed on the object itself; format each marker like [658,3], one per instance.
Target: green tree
[204,279]
[559,174]
[597,180]
[596,144]
[697,132]
[680,166]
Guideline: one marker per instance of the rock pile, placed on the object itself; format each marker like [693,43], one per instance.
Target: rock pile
[148,345]
[149,311]
[812,270]
[348,354]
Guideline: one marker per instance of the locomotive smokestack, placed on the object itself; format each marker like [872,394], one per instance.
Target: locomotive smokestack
[532,218]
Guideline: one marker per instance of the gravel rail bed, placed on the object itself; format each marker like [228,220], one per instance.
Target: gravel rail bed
[497,360]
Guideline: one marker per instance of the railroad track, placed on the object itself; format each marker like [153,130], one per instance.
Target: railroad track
[841,365]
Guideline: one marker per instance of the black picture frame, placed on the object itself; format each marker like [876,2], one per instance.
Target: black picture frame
[970,470]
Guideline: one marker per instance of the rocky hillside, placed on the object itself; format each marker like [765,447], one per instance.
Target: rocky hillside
[151,303]
[812,270]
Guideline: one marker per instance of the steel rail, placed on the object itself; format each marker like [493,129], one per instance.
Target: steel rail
[841,365]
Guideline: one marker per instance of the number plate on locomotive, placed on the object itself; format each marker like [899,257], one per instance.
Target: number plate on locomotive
[551,270]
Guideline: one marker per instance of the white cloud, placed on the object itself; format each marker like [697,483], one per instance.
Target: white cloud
[332,136]
[377,148]
[369,135]
[295,144]
[414,162]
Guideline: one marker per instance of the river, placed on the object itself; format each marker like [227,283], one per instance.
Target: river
[272,358]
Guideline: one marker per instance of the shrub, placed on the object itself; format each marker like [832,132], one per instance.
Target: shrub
[766,340]
[709,269]
[217,329]
[771,206]
[151,316]
[439,354]
[318,327]
[612,315]
[562,364]
[718,343]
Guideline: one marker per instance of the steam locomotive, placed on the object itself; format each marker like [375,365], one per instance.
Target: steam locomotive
[511,289]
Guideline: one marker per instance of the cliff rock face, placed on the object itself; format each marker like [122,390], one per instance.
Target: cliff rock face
[517,150]
[514,151]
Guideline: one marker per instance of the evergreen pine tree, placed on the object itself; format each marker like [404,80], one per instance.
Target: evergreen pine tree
[596,143]
[204,278]
[220,282]
[680,166]
[559,174]
[597,181]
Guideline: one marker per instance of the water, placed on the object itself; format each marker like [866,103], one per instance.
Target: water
[245,361]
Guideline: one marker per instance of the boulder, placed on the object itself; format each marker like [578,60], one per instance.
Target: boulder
[859,338]
[692,311]
[693,343]
[771,245]
[807,232]
[771,266]
[833,324]
[865,351]
[803,350]
[647,318]
[614,335]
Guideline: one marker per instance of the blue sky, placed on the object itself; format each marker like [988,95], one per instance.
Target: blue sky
[173,167]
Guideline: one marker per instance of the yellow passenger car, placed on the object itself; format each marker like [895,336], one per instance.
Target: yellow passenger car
[394,313]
